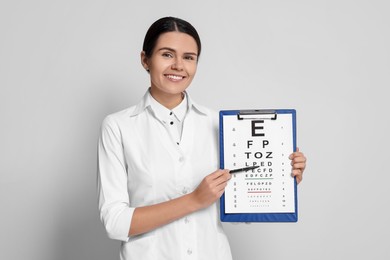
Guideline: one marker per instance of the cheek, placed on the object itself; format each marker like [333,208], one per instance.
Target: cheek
[156,72]
[192,70]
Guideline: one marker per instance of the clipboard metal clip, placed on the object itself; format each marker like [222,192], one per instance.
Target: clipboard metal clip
[257,114]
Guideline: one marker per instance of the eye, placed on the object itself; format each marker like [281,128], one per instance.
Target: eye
[189,57]
[167,54]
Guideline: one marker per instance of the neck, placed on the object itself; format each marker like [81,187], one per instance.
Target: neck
[169,101]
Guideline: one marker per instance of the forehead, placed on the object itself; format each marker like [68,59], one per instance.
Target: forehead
[180,42]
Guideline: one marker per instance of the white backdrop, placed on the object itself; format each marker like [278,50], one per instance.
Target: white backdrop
[65,65]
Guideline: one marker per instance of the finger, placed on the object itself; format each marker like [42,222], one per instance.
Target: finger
[296,154]
[299,159]
[298,175]
[293,162]
[296,172]
[217,177]
[219,194]
[216,174]
[298,178]
[300,166]
[221,187]
[224,178]
[293,155]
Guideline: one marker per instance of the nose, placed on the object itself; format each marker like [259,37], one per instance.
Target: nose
[177,64]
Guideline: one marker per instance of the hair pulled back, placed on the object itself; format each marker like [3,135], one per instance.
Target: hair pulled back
[164,25]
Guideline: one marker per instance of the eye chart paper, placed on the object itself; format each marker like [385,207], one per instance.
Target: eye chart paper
[263,138]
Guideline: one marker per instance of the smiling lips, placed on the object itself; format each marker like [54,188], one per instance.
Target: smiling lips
[174,77]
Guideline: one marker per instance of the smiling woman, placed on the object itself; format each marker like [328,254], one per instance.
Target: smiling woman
[158,185]
[172,66]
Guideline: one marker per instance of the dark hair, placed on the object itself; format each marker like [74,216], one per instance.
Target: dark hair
[168,24]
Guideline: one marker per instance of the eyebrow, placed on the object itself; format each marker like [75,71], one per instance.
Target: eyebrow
[173,50]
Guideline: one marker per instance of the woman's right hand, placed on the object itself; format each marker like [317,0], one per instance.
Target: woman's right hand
[211,188]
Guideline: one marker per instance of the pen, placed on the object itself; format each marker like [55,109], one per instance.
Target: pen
[244,169]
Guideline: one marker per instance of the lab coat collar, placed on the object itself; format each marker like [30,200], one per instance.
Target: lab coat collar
[145,103]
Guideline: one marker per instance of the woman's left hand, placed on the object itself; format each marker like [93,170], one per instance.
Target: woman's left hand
[298,162]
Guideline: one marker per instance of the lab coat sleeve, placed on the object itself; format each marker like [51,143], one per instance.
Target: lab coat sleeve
[113,198]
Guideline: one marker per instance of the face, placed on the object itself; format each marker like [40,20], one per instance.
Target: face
[172,65]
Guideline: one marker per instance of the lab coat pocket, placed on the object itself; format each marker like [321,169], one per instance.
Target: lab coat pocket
[140,246]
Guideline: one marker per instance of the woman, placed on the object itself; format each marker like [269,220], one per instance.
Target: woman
[158,160]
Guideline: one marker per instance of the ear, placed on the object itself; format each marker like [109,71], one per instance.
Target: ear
[144,61]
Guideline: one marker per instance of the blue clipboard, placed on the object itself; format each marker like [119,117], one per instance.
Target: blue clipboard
[261,203]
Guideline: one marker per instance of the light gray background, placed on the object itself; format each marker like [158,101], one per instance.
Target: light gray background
[64,65]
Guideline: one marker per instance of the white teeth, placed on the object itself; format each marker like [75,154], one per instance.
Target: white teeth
[174,77]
